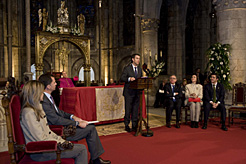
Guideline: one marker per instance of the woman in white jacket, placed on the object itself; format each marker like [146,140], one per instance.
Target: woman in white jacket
[35,126]
[193,95]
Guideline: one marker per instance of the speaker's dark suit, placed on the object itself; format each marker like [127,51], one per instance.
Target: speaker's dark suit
[131,95]
[208,96]
[63,118]
[171,104]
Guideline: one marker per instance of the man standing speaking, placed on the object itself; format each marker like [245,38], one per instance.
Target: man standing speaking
[131,73]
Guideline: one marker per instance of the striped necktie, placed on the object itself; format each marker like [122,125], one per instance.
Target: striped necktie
[53,102]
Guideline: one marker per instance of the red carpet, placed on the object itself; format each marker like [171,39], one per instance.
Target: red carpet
[178,146]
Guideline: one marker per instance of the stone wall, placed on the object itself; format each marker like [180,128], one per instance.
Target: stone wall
[3,128]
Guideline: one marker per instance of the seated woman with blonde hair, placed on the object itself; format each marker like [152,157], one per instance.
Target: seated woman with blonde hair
[35,127]
[193,95]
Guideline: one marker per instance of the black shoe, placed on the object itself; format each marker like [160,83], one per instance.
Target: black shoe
[177,125]
[128,129]
[192,124]
[204,126]
[99,160]
[168,125]
[134,129]
[196,125]
[224,128]
[104,161]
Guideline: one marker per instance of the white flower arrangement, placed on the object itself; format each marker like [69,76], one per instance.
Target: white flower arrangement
[218,55]
[76,31]
[52,28]
[157,68]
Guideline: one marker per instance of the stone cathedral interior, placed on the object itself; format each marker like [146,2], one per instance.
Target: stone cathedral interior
[94,39]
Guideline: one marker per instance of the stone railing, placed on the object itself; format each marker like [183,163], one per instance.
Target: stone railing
[3,128]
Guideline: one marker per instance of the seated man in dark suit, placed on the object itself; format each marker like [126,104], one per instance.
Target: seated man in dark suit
[213,98]
[173,94]
[55,116]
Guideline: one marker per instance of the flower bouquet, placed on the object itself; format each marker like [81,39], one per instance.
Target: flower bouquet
[156,69]
[218,55]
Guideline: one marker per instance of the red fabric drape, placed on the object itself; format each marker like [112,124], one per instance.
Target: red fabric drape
[81,101]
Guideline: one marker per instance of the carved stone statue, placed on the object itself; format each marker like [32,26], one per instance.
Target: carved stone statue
[45,19]
[81,23]
[63,56]
[39,17]
[62,15]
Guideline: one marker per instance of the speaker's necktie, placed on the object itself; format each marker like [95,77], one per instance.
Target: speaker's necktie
[214,94]
[136,73]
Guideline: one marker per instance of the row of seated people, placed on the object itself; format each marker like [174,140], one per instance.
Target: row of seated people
[39,110]
[173,96]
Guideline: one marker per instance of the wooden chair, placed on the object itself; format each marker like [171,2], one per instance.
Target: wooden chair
[187,113]
[238,101]
[19,151]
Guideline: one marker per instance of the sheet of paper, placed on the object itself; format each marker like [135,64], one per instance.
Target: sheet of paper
[92,122]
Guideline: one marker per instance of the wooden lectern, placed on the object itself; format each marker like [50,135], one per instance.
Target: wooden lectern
[141,84]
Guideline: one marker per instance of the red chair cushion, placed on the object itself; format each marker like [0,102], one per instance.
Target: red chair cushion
[41,146]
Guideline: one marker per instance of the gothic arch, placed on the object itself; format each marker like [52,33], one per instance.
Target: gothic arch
[122,63]
[45,39]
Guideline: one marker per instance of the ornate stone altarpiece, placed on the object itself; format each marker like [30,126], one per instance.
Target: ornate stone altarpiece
[44,40]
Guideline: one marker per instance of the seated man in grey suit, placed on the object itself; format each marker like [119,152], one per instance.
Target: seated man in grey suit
[55,116]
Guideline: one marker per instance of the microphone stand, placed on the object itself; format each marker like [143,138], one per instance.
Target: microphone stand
[148,133]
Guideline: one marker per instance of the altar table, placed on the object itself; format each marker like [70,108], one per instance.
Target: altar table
[102,103]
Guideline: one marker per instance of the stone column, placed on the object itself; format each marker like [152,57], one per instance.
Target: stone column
[87,76]
[175,43]
[150,40]
[9,38]
[28,41]
[110,43]
[231,21]
[137,27]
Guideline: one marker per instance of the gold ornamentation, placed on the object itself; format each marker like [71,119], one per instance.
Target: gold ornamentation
[150,24]
[62,15]
[43,40]
[63,55]
[46,39]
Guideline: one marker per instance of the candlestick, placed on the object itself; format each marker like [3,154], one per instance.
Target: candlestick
[161,53]
[100,3]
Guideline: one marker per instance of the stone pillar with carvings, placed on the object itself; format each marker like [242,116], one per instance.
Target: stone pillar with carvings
[39,69]
[231,24]
[150,40]
[87,68]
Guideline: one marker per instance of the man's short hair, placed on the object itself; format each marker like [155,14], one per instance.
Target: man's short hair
[173,75]
[215,75]
[45,79]
[133,56]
